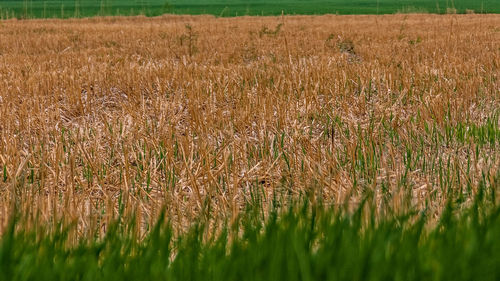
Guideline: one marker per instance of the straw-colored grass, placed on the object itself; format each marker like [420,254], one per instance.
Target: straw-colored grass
[202,115]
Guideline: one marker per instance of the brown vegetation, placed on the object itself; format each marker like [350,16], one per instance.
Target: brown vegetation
[203,116]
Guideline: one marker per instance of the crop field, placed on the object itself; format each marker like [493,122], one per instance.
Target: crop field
[231,8]
[250,148]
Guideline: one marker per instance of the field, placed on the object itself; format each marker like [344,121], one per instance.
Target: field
[251,148]
[231,8]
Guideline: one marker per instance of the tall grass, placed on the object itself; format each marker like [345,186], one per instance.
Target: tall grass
[301,243]
[201,117]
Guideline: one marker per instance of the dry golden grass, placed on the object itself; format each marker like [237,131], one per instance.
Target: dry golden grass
[203,116]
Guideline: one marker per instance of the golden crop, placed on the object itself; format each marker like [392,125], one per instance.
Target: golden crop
[206,116]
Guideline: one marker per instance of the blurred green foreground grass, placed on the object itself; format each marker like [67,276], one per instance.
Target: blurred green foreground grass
[303,242]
